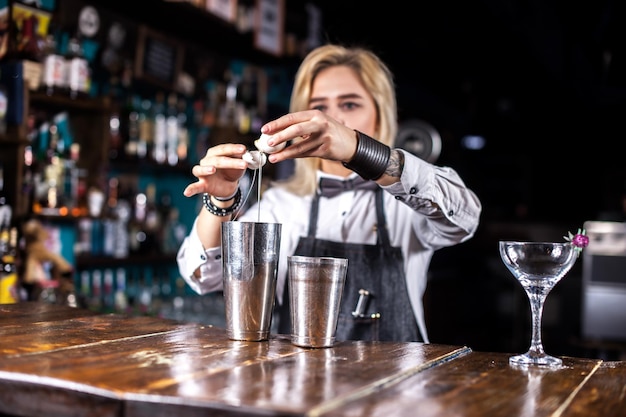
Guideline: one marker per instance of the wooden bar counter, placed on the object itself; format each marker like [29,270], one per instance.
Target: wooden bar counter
[62,361]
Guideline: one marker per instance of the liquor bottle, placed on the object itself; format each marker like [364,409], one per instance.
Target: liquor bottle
[30,166]
[3,198]
[85,289]
[4,106]
[116,145]
[228,99]
[95,301]
[146,129]
[153,224]
[109,218]
[131,127]
[136,231]
[69,154]
[27,41]
[79,189]
[84,237]
[5,218]
[145,291]
[121,298]
[9,291]
[8,276]
[53,78]
[53,174]
[172,126]
[159,150]
[77,73]
[123,213]
[133,289]
[182,147]
[108,290]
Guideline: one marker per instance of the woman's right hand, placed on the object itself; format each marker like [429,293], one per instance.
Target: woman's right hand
[219,171]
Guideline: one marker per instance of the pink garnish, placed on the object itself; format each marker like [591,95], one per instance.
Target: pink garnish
[580,240]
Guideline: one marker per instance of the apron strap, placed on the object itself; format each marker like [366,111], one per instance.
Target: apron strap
[315,208]
[381,229]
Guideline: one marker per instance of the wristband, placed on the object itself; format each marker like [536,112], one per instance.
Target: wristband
[221,211]
[224,199]
[371,158]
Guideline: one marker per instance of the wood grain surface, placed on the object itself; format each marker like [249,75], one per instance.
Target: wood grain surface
[58,361]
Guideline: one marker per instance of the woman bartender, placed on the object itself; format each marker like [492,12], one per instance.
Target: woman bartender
[351,196]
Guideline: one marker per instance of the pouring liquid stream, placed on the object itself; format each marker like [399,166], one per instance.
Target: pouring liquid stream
[257,177]
[258,185]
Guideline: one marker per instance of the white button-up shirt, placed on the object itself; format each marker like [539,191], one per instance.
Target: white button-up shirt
[430,208]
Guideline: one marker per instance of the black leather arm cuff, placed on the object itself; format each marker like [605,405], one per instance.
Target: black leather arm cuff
[371,158]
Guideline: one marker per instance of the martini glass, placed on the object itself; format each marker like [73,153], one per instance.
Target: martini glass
[538,266]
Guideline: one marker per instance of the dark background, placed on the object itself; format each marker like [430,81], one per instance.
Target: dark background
[545,83]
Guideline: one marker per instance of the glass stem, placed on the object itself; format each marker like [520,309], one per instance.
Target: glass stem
[536,307]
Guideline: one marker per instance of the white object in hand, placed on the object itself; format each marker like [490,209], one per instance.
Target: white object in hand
[261,144]
[255,159]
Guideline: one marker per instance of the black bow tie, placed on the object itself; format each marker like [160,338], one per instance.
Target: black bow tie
[330,187]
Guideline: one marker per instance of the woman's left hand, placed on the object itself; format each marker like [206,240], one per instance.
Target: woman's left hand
[314,134]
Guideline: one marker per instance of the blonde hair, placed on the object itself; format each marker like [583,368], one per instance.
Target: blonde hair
[377,80]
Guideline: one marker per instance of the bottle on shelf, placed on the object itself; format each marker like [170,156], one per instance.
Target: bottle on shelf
[6,212]
[78,72]
[4,106]
[53,77]
[121,298]
[146,129]
[108,288]
[109,218]
[95,301]
[3,198]
[172,134]
[9,285]
[116,217]
[153,223]
[182,145]
[59,186]
[84,293]
[27,40]
[136,227]
[131,127]
[145,291]
[51,196]
[228,100]
[116,145]
[159,150]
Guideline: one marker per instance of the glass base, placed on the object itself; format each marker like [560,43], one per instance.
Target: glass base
[528,359]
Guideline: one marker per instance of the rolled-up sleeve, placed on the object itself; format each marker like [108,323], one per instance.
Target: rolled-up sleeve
[452,209]
[191,256]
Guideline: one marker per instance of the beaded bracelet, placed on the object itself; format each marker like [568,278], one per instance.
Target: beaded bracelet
[219,211]
[371,158]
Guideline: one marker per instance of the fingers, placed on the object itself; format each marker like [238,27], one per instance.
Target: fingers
[293,125]
[313,133]
[305,147]
[218,169]
[233,150]
[224,156]
[201,171]
[219,162]
[283,122]
[193,189]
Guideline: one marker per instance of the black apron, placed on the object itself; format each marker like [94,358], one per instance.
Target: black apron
[377,270]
